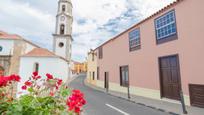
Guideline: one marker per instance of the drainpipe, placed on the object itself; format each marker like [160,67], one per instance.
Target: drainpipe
[183,103]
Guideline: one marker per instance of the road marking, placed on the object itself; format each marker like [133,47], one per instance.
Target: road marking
[124,113]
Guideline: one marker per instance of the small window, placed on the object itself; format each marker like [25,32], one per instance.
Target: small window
[61,44]
[93,56]
[124,76]
[134,40]
[100,52]
[36,67]
[62,29]
[98,73]
[166,26]
[63,8]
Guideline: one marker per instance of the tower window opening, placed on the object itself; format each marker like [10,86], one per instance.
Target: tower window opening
[61,44]
[62,29]
[63,8]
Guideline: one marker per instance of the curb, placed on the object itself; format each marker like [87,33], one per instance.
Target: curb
[70,80]
[126,99]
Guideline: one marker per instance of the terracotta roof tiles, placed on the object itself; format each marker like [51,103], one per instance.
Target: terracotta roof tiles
[4,35]
[41,52]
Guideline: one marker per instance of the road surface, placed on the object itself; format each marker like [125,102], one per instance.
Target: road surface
[100,103]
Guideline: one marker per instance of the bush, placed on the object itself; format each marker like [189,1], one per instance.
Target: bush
[44,97]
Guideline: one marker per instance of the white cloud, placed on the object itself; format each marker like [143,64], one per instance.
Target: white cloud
[148,7]
[23,19]
[99,11]
[110,15]
[95,21]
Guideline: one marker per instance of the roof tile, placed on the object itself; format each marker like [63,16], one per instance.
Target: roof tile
[40,52]
[4,35]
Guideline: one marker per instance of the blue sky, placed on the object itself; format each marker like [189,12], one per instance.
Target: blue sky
[95,21]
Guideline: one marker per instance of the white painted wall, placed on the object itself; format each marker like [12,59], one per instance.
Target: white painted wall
[55,66]
[8,46]
[61,51]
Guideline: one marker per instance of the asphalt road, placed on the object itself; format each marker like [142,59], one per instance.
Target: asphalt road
[100,103]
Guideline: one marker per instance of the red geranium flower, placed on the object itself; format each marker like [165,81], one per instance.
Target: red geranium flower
[52,94]
[57,87]
[28,83]
[38,77]
[83,102]
[59,82]
[4,80]
[24,87]
[14,78]
[49,76]
[77,110]
[35,73]
[35,76]
[17,78]
[76,101]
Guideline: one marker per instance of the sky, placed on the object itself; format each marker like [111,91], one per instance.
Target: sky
[95,21]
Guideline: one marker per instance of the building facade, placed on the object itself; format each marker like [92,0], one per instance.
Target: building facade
[159,57]
[43,61]
[11,48]
[92,74]
[79,67]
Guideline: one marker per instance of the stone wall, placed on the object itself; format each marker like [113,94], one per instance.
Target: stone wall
[19,47]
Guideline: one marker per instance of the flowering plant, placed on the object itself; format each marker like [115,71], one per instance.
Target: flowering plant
[48,96]
[6,83]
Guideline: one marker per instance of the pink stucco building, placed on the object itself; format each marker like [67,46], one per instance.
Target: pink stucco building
[159,56]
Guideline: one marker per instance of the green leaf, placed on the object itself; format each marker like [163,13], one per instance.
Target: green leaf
[65,92]
[30,89]
[26,100]
[3,107]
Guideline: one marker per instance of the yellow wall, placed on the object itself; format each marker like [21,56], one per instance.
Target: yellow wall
[139,91]
[80,67]
[91,67]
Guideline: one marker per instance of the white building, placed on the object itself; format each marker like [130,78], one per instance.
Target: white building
[19,56]
[43,61]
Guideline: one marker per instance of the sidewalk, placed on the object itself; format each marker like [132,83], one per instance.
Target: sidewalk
[171,108]
[72,78]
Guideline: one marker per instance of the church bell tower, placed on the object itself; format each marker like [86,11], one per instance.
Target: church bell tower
[63,31]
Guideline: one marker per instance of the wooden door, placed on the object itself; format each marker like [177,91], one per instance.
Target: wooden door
[170,77]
